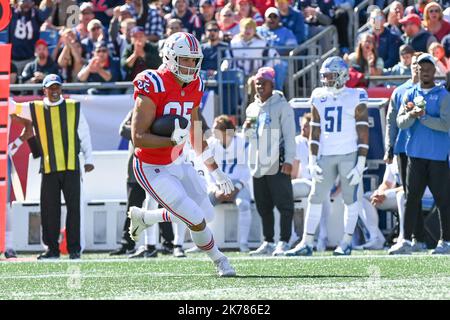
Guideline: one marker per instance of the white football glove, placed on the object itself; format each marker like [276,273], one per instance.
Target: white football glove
[180,135]
[223,181]
[315,169]
[356,174]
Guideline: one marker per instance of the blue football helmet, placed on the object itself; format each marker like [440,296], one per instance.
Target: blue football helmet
[334,73]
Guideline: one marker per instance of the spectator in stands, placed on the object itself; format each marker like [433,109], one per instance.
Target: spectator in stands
[140,55]
[245,9]
[229,150]
[191,22]
[95,29]
[23,30]
[35,72]
[60,16]
[394,16]
[248,44]
[270,123]
[442,62]
[425,111]
[302,182]
[154,25]
[403,68]
[120,14]
[123,39]
[98,69]
[316,15]
[262,5]
[387,43]
[173,26]
[104,10]
[207,12]
[60,165]
[341,19]
[277,36]
[292,19]
[210,49]
[433,21]
[414,35]
[86,15]
[166,6]
[418,8]
[227,24]
[365,58]
[70,59]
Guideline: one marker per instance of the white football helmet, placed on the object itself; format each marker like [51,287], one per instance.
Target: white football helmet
[334,73]
[182,44]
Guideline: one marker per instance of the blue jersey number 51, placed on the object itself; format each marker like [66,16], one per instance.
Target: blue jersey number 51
[333,115]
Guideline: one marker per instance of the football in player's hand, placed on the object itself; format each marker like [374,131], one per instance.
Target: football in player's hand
[165,125]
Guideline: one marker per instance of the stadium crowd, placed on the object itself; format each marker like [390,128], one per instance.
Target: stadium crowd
[116,40]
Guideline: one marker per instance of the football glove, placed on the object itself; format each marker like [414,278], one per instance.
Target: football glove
[179,135]
[223,181]
[356,174]
[315,169]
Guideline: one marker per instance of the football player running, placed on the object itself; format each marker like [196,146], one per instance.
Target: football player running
[175,88]
[338,147]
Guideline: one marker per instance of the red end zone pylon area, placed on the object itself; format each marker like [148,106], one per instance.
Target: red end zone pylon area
[5,65]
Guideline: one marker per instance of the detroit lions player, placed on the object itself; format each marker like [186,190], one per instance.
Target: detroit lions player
[338,146]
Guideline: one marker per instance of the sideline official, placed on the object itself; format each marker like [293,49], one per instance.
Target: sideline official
[62,132]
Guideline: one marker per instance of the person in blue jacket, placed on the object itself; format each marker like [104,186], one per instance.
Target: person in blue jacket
[425,112]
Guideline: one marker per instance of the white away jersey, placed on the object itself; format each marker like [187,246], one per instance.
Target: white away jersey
[337,119]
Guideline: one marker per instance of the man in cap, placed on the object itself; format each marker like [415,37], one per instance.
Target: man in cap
[415,35]
[34,72]
[270,123]
[277,35]
[61,132]
[425,112]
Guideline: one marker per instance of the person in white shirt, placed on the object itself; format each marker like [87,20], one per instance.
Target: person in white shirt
[229,151]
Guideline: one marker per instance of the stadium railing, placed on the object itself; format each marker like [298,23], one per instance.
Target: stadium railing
[304,78]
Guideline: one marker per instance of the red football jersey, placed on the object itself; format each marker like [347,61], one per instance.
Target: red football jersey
[170,98]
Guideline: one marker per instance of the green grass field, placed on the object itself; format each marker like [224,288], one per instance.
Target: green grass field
[364,275]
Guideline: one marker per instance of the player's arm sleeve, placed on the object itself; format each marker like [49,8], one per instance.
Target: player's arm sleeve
[441,123]
[85,139]
[404,120]
[288,131]
[21,110]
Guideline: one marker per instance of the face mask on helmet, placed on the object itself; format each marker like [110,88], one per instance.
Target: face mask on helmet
[178,47]
[329,79]
[334,73]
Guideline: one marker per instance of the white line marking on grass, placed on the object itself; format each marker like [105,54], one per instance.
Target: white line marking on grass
[245,258]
